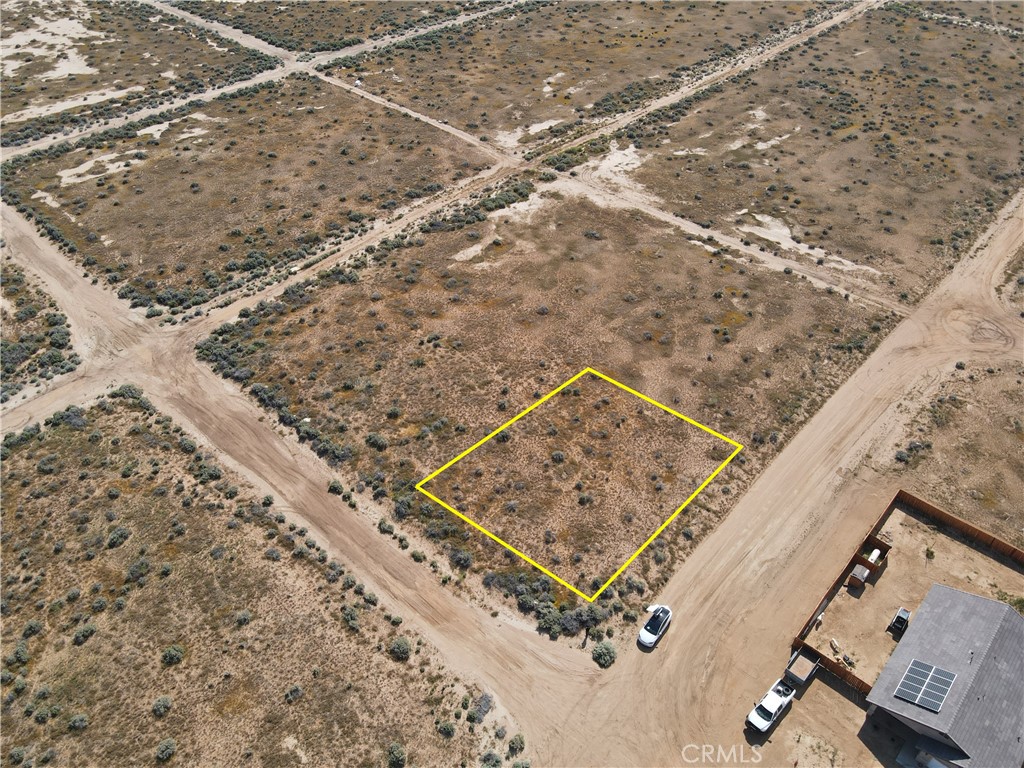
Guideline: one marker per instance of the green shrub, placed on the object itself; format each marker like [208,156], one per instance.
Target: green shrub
[516,744]
[400,649]
[446,729]
[165,750]
[84,634]
[396,755]
[604,654]
[78,723]
[173,654]
[293,694]
[335,487]
[118,536]
[162,706]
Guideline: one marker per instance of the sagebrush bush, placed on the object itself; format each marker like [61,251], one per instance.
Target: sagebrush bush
[604,654]
[400,649]
[173,654]
[162,706]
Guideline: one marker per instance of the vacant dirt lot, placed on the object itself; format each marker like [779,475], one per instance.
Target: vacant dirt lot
[180,211]
[513,75]
[320,26]
[68,58]
[147,594]
[965,449]
[36,338]
[399,369]
[580,483]
[829,151]
[922,554]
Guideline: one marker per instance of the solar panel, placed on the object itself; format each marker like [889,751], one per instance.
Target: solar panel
[925,685]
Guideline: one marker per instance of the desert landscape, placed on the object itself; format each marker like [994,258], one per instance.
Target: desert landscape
[265,325]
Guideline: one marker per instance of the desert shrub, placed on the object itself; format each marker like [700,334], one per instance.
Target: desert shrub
[84,634]
[490,759]
[335,487]
[118,537]
[446,729]
[293,694]
[162,706]
[460,558]
[165,750]
[604,654]
[243,618]
[78,723]
[396,755]
[33,627]
[171,655]
[400,649]
[516,744]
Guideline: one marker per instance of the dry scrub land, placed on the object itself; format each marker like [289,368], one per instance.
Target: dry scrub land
[886,143]
[405,363]
[580,483]
[325,26]
[1004,14]
[146,595]
[516,73]
[965,450]
[35,338]
[66,57]
[240,188]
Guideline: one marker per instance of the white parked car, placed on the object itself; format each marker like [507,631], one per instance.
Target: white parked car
[771,706]
[661,616]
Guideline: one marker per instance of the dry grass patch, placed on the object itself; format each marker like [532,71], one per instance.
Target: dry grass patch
[580,483]
[145,593]
[325,26]
[235,190]
[516,73]
[887,143]
[412,360]
[66,57]
[35,339]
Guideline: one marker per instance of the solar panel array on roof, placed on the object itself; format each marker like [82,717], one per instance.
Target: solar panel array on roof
[925,685]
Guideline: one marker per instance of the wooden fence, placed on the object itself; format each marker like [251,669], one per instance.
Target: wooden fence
[969,531]
[972,532]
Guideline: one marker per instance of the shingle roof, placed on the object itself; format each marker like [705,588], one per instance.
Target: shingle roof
[982,642]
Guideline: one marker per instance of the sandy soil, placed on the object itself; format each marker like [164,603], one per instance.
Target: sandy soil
[743,589]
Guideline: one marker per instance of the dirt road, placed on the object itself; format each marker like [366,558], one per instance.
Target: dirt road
[738,599]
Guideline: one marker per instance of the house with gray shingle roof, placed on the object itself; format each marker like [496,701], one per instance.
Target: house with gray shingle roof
[957,680]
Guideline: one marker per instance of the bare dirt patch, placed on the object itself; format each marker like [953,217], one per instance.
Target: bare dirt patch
[320,26]
[398,368]
[62,58]
[153,596]
[580,483]
[242,187]
[518,75]
[829,151]
[35,335]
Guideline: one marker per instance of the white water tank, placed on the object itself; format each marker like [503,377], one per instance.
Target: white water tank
[875,554]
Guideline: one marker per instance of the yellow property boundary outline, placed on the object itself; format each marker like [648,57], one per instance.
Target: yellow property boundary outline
[589,598]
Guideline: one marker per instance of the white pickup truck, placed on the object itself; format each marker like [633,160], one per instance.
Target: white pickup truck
[771,706]
[802,665]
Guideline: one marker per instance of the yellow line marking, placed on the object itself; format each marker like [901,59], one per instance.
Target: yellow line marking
[589,598]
